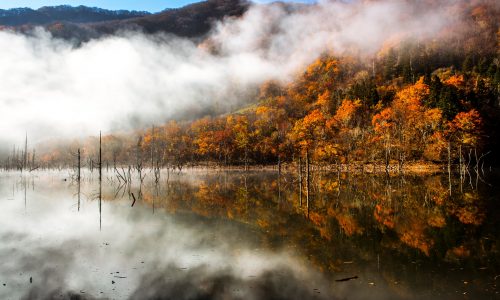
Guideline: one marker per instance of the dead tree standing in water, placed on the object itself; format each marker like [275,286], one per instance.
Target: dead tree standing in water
[155,159]
[100,179]
[78,176]
[25,154]
[139,166]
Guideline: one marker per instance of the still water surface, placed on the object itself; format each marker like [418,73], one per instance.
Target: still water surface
[247,235]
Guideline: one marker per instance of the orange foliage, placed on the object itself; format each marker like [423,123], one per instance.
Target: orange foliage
[344,114]
[466,127]
[382,122]
[306,130]
[457,81]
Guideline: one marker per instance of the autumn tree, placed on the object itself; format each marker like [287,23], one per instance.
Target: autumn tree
[464,132]
[344,127]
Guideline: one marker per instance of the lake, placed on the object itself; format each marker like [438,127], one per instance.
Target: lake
[229,234]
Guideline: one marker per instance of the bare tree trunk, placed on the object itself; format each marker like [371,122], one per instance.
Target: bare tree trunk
[401,162]
[100,157]
[476,168]
[139,162]
[387,158]
[79,178]
[246,159]
[460,161]
[279,178]
[33,159]
[100,181]
[25,156]
[151,146]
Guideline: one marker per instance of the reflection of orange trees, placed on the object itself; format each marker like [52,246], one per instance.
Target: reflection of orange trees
[210,202]
[148,198]
[264,224]
[209,194]
[317,219]
[384,215]
[458,252]
[411,213]
[437,192]
[415,237]
[467,207]
[349,224]
[328,185]
[412,224]
[231,200]
[346,220]
[469,214]
[436,219]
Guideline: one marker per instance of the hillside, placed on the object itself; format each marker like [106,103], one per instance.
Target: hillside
[64,13]
[83,23]
[189,21]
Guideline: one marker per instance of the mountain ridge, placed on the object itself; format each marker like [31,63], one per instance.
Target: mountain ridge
[191,21]
[74,14]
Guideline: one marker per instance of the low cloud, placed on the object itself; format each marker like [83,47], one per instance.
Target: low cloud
[53,88]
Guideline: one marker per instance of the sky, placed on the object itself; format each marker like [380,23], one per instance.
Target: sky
[141,5]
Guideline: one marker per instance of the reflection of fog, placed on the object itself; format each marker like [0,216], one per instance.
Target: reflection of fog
[209,234]
[137,254]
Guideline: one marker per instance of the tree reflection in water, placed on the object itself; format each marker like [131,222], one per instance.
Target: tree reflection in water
[407,236]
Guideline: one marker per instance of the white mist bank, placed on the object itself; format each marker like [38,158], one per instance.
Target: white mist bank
[52,249]
[51,88]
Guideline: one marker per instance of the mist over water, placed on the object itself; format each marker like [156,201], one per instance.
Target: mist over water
[59,245]
[218,235]
[53,88]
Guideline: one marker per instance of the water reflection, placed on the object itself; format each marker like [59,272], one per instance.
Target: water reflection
[249,235]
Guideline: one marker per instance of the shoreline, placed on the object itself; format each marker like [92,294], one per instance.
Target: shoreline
[411,168]
[369,168]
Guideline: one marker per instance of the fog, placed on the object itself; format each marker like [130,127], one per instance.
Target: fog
[52,88]
[52,250]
